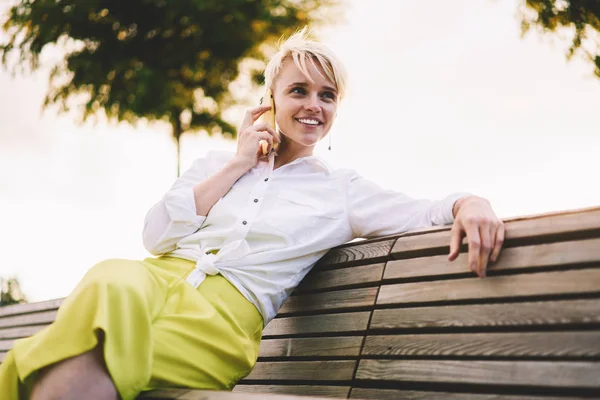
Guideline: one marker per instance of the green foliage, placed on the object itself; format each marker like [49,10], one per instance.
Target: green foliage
[580,16]
[10,292]
[152,59]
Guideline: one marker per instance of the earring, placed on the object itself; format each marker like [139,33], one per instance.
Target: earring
[330,141]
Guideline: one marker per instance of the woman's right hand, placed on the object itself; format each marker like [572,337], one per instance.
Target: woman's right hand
[249,136]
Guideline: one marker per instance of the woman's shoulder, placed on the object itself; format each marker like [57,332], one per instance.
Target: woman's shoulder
[345,174]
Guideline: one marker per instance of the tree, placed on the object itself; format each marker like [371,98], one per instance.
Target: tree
[10,292]
[582,17]
[152,59]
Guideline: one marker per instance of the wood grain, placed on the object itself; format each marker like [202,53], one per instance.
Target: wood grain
[582,345]
[303,390]
[357,253]
[545,283]
[187,394]
[526,373]
[303,370]
[6,344]
[561,224]
[547,313]
[391,394]
[525,257]
[37,318]
[342,277]
[338,300]
[330,323]
[17,309]
[348,346]
[17,333]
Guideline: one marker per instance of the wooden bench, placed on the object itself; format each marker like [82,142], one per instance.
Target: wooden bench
[391,318]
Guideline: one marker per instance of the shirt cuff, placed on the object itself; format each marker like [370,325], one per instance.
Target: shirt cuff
[447,205]
[181,206]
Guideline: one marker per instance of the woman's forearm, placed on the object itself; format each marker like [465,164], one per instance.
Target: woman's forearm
[208,192]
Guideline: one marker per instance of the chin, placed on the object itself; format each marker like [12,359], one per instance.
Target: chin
[310,141]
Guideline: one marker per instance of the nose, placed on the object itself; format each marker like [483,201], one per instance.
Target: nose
[312,104]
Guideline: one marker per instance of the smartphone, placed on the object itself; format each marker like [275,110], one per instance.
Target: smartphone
[268,117]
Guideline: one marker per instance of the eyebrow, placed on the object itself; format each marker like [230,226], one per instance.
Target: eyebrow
[304,84]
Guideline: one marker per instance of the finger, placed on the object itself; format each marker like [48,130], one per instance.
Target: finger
[484,251]
[268,138]
[456,236]
[262,127]
[247,120]
[498,243]
[252,115]
[474,246]
[274,135]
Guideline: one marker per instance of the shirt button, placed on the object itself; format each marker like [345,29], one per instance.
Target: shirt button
[266,179]
[256,200]
[245,222]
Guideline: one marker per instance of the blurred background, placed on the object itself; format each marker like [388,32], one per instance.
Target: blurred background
[500,98]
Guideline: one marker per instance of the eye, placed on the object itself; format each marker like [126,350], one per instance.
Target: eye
[298,90]
[329,95]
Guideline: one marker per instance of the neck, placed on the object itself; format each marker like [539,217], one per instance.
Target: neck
[288,151]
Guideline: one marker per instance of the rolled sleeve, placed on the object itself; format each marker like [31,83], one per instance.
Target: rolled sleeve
[181,206]
[443,214]
[374,211]
[174,216]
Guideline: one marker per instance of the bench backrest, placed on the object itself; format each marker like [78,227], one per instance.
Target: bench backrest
[391,318]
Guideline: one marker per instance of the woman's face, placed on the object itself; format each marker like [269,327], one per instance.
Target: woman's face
[305,110]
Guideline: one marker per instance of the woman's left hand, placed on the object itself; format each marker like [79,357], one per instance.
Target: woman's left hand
[475,218]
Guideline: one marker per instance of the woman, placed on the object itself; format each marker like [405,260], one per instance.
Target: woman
[234,236]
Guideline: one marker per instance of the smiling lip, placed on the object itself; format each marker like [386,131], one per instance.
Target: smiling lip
[319,122]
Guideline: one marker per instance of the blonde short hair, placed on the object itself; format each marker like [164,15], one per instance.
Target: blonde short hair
[300,48]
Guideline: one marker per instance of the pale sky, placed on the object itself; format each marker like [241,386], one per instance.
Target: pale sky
[446,94]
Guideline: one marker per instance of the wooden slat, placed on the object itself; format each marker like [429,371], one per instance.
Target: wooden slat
[525,257]
[342,277]
[550,313]
[545,283]
[348,346]
[563,224]
[357,253]
[6,345]
[17,309]
[37,318]
[525,373]
[303,390]
[583,345]
[17,333]
[303,371]
[338,300]
[391,394]
[187,394]
[330,323]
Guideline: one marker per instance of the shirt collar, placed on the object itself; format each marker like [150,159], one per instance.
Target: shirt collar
[313,160]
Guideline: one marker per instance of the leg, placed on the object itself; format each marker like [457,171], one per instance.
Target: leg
[120,298]
[79,377]
[205,339]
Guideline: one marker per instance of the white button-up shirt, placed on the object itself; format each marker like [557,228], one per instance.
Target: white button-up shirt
[269,230]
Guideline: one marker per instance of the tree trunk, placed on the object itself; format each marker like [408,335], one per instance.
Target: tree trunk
[178,155]
[177,132]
